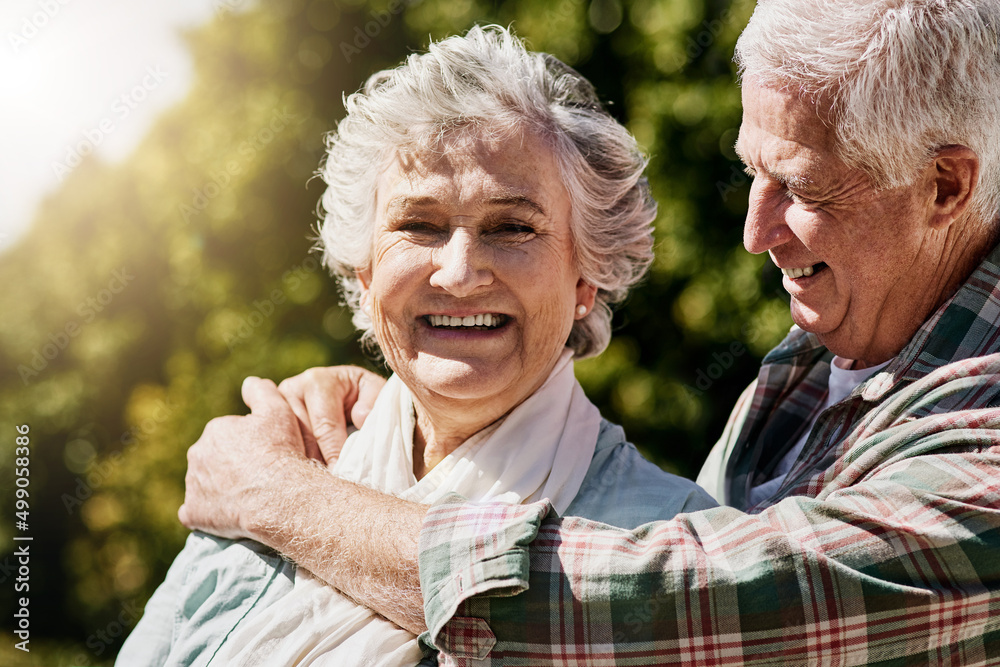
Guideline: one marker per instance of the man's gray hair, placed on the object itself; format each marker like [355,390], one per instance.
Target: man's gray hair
[904,78]
[487,81]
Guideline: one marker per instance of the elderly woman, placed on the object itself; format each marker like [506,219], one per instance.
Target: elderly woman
[482,215]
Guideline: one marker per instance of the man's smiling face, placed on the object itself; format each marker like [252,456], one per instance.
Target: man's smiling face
[864,267]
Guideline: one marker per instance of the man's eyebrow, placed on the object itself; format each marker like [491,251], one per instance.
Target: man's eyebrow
[800,183]
[747,169]
[739,152]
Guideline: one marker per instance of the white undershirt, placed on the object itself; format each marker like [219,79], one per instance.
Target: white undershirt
[842,382]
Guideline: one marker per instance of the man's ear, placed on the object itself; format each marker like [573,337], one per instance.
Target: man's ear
[956,176]
[586,294]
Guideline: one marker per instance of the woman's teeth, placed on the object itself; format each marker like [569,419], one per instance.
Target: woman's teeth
[484,320]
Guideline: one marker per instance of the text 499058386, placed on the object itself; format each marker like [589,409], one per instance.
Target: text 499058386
[22,461]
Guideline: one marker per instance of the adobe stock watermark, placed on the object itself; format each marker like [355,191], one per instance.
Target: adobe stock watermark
[88,310]
[99,473]
[363,36]
[101,640]
[223,7]
[264,308]
[697,45]
[247,150]
[34,24]
[708,374]
[734,184]
[8,568]
[121,109]
[639,619]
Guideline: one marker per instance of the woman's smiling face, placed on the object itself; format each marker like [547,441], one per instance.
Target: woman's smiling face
[473,285]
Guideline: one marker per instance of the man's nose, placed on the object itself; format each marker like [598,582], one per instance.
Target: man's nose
[765,226]
[462,264]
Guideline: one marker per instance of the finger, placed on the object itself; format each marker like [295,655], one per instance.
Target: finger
[330,438]
[262,396]
[312,395]
[327,397]
[267,404]
[369,386]
[312,448]
[302,415]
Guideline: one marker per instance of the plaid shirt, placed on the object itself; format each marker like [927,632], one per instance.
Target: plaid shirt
[882,546]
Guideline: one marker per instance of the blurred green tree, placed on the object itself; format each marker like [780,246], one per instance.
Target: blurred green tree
[145,292]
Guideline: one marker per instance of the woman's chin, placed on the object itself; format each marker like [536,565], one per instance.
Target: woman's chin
[459,379]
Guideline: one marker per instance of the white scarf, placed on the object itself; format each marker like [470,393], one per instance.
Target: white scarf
[541,449]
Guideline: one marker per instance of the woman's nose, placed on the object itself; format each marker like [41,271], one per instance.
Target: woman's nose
[765,226]
[461,265]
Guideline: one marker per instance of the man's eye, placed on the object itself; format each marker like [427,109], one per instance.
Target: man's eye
[799,199]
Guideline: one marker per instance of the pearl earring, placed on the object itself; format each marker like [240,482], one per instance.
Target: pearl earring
[581,310]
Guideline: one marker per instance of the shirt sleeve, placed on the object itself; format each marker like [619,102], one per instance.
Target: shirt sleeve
[903,565]
[499,537]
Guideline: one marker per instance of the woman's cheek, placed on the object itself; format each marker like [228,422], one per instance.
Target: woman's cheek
[390,333]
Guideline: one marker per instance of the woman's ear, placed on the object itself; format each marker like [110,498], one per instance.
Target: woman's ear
[364,276]
[586,294]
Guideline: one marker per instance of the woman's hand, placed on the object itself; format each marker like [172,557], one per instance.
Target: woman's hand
[322,398]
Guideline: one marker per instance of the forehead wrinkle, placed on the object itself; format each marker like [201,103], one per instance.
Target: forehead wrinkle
[484,180]
[787,131]
[796,181]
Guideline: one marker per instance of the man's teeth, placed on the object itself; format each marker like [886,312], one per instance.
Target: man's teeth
[484,320]
[798,273]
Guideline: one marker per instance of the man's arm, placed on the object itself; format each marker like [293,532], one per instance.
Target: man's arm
[248,477]
[896,568]
[901,565]
[362,542]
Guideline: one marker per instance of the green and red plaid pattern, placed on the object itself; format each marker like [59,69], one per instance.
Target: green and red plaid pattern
[882,547]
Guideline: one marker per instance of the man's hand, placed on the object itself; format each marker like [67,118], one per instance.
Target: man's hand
[230,465]
[249,477]
[322,398]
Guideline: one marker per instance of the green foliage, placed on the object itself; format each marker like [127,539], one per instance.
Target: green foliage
[145,292]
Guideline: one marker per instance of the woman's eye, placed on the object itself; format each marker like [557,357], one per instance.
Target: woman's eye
[416,227]
[514,229]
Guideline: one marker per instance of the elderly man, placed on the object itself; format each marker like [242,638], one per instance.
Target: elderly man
[861,470]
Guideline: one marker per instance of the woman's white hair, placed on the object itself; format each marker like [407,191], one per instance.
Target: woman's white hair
[487,81]
[904,78]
